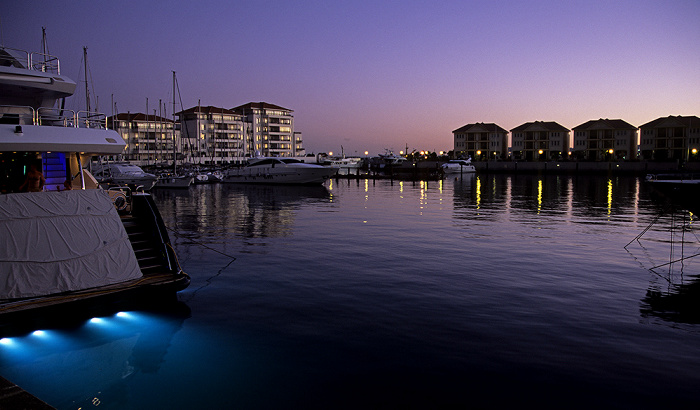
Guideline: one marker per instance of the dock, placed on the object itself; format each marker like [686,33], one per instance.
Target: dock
[13,397]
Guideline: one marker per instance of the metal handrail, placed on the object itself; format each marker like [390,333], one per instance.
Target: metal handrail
[87,119]
[50,116]
[55,117]
[22,114]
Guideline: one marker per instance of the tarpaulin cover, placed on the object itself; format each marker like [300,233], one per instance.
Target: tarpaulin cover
[53,242]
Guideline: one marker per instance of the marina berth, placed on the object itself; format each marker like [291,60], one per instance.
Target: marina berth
[67,246]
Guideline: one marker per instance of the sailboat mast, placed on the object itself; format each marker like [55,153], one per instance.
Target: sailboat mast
[87,91]
[174,149]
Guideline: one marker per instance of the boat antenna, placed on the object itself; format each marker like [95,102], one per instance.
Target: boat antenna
[87,91]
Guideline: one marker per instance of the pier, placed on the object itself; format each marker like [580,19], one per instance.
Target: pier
[13,397]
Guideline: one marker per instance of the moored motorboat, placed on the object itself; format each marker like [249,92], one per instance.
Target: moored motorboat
[66,245]
[169,180]
[279,170]
[458,166]
[681,190]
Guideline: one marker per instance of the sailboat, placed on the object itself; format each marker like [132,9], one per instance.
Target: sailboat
[173,180]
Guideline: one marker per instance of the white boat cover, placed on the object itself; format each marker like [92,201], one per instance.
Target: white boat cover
[53,242]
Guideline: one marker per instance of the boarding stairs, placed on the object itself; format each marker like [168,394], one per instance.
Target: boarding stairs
[53,166]
[148,252]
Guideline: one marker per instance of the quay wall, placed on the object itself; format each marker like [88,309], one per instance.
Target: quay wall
[570,167]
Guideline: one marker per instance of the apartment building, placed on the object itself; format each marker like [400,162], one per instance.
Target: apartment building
[670,138]
[270,130]
[605,140]
[540,141]
[149,138]
[212,135]
[481,141]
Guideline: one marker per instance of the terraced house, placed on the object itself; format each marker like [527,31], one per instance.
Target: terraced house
[670,138]
[605,140]
[540,141]
[481,141]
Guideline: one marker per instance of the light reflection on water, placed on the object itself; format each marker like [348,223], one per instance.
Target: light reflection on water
[363,293]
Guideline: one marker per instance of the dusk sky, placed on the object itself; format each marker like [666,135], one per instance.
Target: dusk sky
[370,75]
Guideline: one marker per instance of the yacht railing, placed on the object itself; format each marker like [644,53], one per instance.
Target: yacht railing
[17,114]
[56,117]
[88,119]
[50,116]
[43,62]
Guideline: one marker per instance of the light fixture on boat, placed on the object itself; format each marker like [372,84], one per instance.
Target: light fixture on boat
[18,129]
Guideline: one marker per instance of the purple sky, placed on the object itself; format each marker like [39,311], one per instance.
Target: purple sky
[376,74]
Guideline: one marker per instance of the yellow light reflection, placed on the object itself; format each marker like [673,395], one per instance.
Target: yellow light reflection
[478,192]
[609,196]
[401,187]
[366,185]
[539,195]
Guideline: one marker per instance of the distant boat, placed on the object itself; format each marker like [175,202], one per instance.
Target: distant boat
[386,162]
[457,166]
[279,170]
[174,181]
[346,164]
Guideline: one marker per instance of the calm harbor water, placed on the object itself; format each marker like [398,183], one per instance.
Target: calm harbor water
[484,290]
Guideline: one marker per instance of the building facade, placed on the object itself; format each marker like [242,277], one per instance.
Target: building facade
[212,135]
[481,141]
[269,130]
[605,140]
[670,138]
[540,141]
[209,135]
[149,139]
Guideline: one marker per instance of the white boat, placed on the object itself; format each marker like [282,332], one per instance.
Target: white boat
[279,170]
[386,162]
[389,158]
[123,174]
[215,176]
[68,247]
[458,166]
[345,164]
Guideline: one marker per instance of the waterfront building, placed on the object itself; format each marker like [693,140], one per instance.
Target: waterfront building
[481,141]
[670,138]
[212,135]
[269,130]
[605,140]
[540,141]
[149,138]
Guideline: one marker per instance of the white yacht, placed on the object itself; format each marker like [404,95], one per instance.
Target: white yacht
[279,170]
[346,164]
[67,246]
[457,166]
